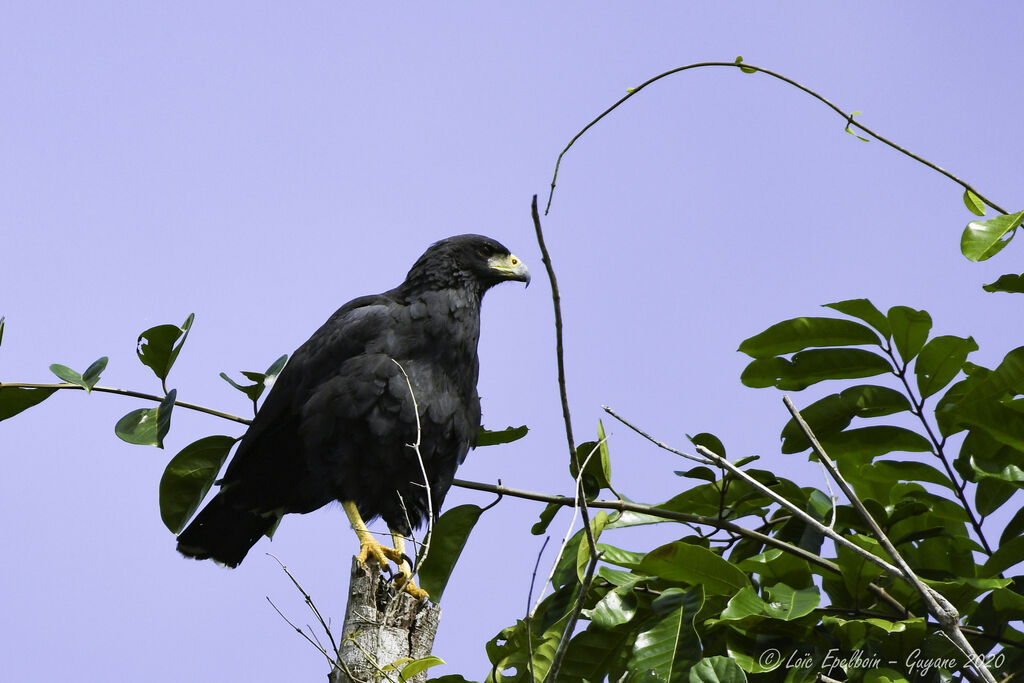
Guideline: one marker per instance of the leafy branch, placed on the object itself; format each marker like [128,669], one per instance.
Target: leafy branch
[124,392]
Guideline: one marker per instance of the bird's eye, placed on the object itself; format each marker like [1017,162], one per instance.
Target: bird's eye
[513,260]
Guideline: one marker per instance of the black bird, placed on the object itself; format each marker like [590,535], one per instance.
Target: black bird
[340,421]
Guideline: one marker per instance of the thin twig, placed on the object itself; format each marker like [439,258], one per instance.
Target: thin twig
[848,117]
[529,612]
[570,626]
[425,545]
[312,606]
[126,392]
[300,631]
[556,301]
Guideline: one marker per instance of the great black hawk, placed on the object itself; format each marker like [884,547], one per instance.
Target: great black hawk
[384,372]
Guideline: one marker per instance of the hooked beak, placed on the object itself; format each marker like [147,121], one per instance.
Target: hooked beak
[511,268]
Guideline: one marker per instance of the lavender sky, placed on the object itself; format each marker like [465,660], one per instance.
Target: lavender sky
[261,163]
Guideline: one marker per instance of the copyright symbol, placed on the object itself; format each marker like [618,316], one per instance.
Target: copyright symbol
[770,659]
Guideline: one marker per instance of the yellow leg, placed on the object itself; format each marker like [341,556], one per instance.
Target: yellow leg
[368,545]
[371,547]
[405,570]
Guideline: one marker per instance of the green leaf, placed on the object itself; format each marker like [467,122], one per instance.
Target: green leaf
[695,565]
[596,467]
[619,557]
[1007,378]
[788,603]
[835,413]
[92,373]
[512,650]
[593,654]
[260,380]
[940,362]
[909,330]
[13,400]
[992,492]
[66,374]
[158,347]
[745,69]
[447,541]
[802,333]
[937,505]
[1001,423]
[1008,472]
[817,365]
[887,675]
[871,400]
[849,122]
[546,515]
[147,426]
[717,669]
[984,239]
[597,524]
[744,604]
[1006,556]
[810,367]
[449,678]
[418,666]
[615,608]
[604,453]
[774,566]
[1012,284]
[762,373]
[87,380]
[628,518]
[699,472]
[867,443]
[488,438]
[866,311]
[889,471]
[1014,528]
[710,442]
[973,203]
[656,648]
[188,478]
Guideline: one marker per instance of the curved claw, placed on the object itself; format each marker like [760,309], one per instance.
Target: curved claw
[404,579]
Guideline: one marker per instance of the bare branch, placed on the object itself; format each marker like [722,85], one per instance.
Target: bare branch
[848,117]
[556,301]
[309,601]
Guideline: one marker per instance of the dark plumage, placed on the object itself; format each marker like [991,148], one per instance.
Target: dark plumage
[338,422]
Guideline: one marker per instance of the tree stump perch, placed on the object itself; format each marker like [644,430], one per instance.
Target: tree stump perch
[382,625]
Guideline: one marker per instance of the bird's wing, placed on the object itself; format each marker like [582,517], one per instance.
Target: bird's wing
[273,437]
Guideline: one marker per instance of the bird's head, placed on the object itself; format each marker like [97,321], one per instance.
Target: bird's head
[468,260]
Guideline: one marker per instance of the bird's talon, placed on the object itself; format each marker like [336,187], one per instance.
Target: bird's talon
[415,591]
[405,582]
[371,548]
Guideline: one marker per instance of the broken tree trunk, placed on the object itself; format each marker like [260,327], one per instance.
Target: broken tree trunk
[382,625]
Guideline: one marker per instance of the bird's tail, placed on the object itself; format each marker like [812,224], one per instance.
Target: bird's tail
[224,532]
